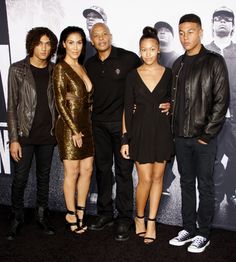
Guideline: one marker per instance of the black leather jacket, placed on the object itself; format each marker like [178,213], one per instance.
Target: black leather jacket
[22,99]
[206,95]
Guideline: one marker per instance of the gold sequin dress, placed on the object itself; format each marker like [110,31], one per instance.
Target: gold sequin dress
[73,106]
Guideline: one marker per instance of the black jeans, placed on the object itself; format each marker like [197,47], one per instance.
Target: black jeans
[43,157]
[196,161]
[107,139]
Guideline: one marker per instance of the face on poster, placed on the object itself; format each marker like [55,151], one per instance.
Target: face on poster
[126,19]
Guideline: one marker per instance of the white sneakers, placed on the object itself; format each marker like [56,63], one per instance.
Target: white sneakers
[182,238]
[198,245]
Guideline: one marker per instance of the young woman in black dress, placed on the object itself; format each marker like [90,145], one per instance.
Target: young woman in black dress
[147,137]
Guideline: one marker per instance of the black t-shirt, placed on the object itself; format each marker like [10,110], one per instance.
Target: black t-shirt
[108,79]
[180,110]
[42,123]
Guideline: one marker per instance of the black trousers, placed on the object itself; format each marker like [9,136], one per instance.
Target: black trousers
[196,161]
[43,157]
[107,139]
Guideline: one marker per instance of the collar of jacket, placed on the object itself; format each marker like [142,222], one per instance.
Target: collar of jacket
[202,52]
[27,63]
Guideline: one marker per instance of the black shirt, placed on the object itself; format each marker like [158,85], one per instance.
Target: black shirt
[108,79]
[180,110]
[42,123]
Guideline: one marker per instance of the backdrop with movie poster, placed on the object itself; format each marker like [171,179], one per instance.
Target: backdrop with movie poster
[126,19]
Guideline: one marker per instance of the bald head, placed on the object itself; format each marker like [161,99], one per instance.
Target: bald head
[99,26]
[101,39]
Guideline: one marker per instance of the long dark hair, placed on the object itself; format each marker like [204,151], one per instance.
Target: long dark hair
[149,32]
[61,51]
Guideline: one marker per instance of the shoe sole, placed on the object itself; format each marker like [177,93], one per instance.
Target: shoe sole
[179,244]
[121,239]
[165,193]
[101,228]
[198,250]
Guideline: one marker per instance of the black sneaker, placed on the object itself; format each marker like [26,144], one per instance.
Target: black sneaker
[199,244]
[183,237]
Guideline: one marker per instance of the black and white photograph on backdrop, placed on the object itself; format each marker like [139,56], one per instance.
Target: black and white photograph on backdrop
[100,172]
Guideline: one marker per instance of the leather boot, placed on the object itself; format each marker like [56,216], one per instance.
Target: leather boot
[14,229]
[42,221]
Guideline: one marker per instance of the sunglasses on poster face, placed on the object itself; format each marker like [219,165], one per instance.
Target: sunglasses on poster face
[223,17]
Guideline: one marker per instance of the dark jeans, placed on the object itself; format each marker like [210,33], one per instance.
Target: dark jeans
[107,139]
[43,157]
[196,161]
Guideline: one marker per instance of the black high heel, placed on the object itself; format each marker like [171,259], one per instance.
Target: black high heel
[150,239]
[140,234]
[81,226]
[72,226]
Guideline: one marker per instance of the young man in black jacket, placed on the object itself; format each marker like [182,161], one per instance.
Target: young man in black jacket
[200,98]
[31,117]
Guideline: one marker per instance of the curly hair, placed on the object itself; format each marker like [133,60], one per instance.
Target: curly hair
[33,38]
[61,51]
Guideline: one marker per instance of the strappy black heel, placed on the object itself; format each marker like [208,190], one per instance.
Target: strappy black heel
[150,239]
[72,226]
[81,226]
[140,234]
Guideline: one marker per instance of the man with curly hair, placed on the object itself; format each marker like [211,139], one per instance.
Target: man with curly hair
[31,117]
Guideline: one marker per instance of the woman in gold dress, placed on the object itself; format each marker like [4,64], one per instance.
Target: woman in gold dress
[73,128]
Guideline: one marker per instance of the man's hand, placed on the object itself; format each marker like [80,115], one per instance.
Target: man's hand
[16,151]
[165,107]
[125,151]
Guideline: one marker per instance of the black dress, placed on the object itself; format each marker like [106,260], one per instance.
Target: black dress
[148,130]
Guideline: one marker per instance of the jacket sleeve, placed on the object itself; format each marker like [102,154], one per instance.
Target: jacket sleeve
[129,102]
[60,89]
[168,94]
[13,98]
[220,100]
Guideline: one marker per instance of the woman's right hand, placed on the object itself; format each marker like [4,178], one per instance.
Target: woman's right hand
[77,139]
[165,107]
[125,151]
